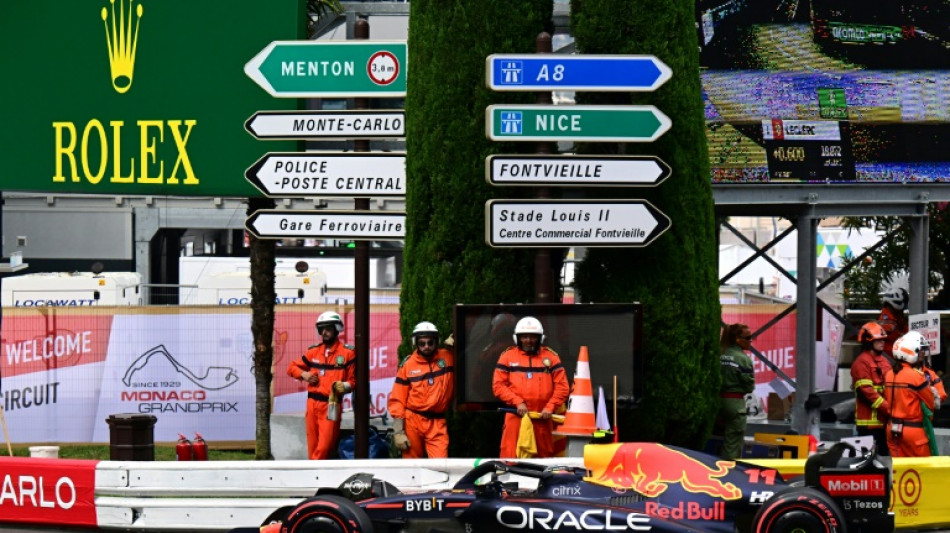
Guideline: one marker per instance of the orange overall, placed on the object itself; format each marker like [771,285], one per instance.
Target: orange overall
[905,430]
[540,382]
[870,408]
[937,382]
[421,395]
[867,375]
[331,364]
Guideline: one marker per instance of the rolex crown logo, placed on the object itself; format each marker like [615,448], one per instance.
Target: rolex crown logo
[121,38]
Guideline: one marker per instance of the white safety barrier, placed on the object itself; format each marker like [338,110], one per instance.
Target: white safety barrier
[212,495]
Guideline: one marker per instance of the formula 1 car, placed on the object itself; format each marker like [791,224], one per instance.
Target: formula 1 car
[624,487]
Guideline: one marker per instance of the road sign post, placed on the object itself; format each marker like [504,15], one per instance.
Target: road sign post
[359,174]
[552,72]
[591,223]
[575,170]
[331,69]
[327,124]
[637,123]
[356,69]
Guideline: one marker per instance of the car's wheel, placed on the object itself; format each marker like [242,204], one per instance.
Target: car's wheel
[799,510]
[277,516]
[328,514]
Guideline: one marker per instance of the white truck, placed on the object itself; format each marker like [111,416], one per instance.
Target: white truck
[71,289]
[234,288]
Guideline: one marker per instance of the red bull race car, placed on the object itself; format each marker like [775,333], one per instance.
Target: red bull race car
[623,487]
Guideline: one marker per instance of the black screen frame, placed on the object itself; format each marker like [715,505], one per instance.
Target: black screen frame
[550,315]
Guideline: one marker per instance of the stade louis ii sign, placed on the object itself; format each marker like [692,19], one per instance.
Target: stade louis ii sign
[134,96]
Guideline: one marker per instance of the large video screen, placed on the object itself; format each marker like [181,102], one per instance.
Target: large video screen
[826,91]
[611,333]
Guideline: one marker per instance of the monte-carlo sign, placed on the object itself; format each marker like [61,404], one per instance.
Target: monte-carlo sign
[137,97]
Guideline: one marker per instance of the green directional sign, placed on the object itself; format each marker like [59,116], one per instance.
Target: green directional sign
[637,123]
[331,69]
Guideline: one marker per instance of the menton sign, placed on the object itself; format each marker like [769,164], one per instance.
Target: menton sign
[136,97]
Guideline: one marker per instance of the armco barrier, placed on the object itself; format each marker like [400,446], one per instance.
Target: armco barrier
[220,495]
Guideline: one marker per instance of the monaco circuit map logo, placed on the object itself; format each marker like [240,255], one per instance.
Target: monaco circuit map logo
[213,378]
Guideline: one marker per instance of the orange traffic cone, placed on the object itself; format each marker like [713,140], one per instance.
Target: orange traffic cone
[580,419]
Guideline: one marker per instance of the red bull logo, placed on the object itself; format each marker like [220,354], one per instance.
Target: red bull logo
[650,468]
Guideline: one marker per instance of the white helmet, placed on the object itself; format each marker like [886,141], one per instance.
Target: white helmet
[895,293]
[330,317]
[528,325]
[911,347]
[425,329]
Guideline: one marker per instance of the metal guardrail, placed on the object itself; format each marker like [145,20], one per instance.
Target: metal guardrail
[221,495]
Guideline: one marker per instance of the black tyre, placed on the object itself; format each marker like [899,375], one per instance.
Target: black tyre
[328,514]
[799,510]
[277,516]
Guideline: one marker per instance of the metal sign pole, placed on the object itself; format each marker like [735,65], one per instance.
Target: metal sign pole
[361,272]
[543,278]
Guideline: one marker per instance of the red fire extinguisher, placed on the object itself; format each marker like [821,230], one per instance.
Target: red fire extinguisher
[183,450]
[200,448]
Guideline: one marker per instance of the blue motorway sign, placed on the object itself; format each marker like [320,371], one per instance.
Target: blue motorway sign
[540,72]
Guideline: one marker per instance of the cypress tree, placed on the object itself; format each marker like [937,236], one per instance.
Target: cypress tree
[675,278]
[446,258]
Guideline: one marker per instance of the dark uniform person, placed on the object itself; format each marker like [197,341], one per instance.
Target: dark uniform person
[738,379]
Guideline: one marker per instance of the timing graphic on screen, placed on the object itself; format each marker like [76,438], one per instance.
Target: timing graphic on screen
[826,91]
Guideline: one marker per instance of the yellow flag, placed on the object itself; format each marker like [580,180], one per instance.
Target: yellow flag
[527,446]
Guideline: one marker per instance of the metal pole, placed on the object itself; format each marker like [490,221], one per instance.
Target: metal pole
[806,331]
[361,272]
[919,261]
[543,277]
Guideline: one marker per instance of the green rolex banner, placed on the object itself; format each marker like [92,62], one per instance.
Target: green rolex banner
[136,97]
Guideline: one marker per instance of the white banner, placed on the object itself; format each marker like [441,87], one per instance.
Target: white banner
[928,325]
[65,371]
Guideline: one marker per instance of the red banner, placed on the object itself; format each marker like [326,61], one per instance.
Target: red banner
[48,491]
[777,344]
[294,332]
[46,339]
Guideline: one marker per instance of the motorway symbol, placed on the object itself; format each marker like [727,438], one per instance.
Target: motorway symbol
[308,174]
[632,170]
[330,69]
[342,225]
[327,124]
[539,122]
[539,72]
[563,223]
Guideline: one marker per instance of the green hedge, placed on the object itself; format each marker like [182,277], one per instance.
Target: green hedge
[675,277]
[446,258]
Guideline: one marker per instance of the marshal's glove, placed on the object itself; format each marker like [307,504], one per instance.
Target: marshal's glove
[400,440]
[884,411]
[936,397]
[341,387]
